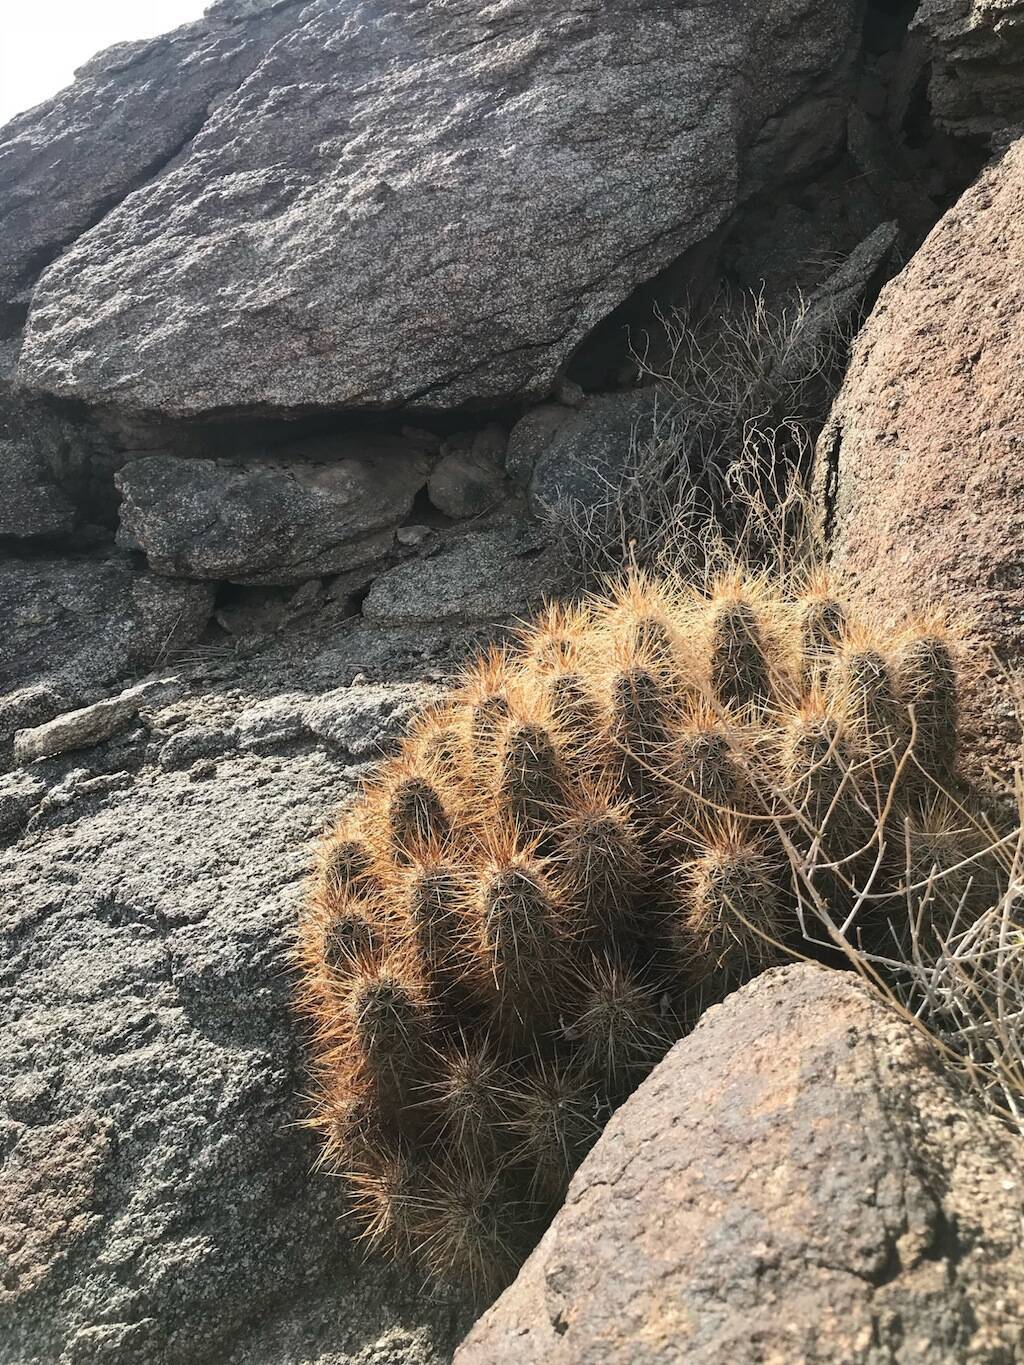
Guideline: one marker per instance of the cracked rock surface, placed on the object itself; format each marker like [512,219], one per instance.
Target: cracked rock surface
[74,626]
[799,1180]
[429,203]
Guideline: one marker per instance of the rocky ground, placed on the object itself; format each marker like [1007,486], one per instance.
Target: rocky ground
[157,1200]
[315,319]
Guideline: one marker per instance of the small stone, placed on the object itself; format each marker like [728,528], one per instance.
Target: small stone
[91,725]
[465,485]
[412,535]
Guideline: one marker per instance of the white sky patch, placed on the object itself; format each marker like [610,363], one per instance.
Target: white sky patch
[43,41]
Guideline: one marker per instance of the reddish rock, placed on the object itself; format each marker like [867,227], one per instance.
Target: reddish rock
[799,1180]
[922,462]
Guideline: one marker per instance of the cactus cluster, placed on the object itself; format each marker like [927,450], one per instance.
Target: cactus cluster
[591,838]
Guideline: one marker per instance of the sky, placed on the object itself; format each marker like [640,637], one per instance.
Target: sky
[43,41]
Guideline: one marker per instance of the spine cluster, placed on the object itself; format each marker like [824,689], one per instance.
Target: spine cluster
[591,839]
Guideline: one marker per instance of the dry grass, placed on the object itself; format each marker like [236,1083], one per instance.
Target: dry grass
[739,393]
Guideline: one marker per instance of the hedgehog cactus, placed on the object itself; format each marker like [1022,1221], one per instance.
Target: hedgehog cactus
[589,840]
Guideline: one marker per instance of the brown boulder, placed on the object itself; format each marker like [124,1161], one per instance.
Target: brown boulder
[799,1180]
[922,462]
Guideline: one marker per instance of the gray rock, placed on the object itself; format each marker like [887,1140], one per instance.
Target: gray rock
[194,743]
[43,462]
[272,723]
[361,721]
[72,626]
[570,393]
[785,246]
[530,437]
[464,484]
[314,246]
[157,1204]
[129,112]
[799,1180]
[32,504]
[92,725]
[490,444]
[271,521]
[585,459]
[28,706]
[412,536]
[473,577]
[20,793]
[81,784]
[832,311]
[256,613]
[253,619]
[976,49]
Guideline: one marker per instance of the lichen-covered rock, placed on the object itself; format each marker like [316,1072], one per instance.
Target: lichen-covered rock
[330,248]
[799,1180]
[921,465]
[330,506]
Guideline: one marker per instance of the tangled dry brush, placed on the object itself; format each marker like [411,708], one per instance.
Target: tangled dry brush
[599,833]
